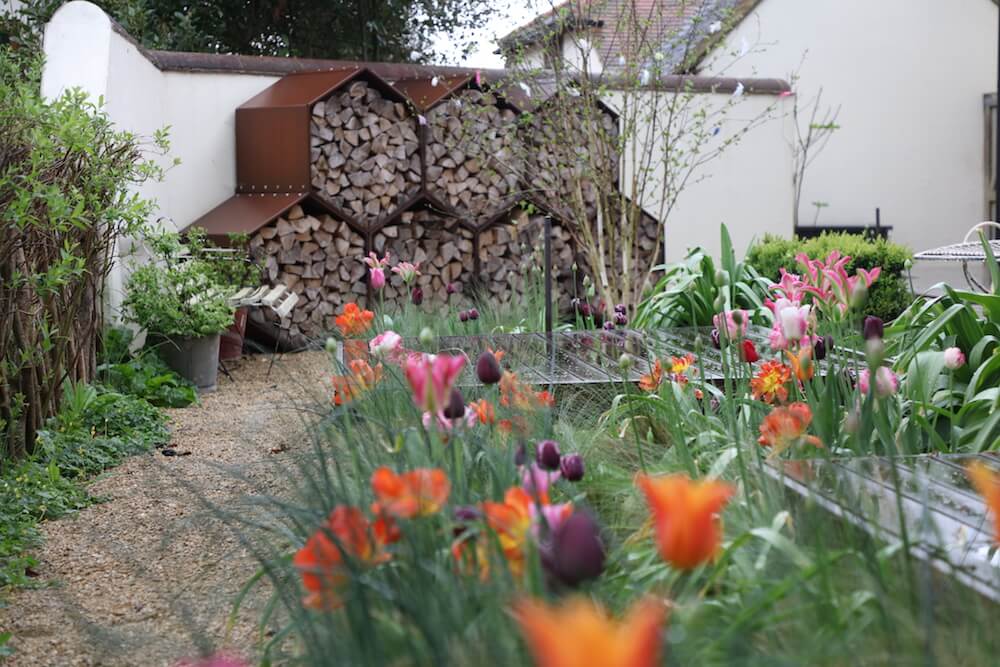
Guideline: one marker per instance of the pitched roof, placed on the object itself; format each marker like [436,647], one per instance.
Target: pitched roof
[682,30]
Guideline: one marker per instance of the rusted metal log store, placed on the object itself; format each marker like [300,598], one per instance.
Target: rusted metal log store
[337,163]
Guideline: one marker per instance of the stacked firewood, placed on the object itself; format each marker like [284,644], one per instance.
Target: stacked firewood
[318,258]
[438,243]
[567,146]
[511,260]
[471,154]
[365,153]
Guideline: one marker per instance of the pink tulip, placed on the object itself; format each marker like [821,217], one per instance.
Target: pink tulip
[376,278]
[777,339]
[431,379]
[446,425]
[536,480]
[954,358]
[550,515]
[886,382]
[727,322]
[407,271]
[385,343]
[790,287]
[793,319]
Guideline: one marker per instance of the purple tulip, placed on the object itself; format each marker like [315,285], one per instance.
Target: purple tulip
[473,314]
[487,368]
[873,327]
[621,319]
[575,552]
[455,409]
[620,308]
[609,326]
[451,288]
[716,342]
[521,455]
[417,296]
[571,467]
[548,455]
[464,316]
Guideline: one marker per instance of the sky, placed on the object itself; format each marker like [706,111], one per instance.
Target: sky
[509,15]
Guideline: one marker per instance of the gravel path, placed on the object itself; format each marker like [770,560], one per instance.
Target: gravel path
[149,576]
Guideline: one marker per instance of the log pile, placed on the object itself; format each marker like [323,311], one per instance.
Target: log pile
[471,154]
[364,154]
[443,248]
[318,258]
[511,260]
[560,156]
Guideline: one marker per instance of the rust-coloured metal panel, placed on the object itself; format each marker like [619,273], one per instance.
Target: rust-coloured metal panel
[272,149]
[427,92]
[245,214]
[300,89]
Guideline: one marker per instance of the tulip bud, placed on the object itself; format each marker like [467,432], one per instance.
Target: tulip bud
[852,421]
[822,347]
[873,328]
[908,264]
[455,409]
[464,316]
[487,368]
[721,278]
[583,308]
[547,455]
[749,352]
[720,302]
[859,297]
[875,352]
[954,358]
[426,336]
[571,467]
[451,288]
[625,361]
[473,314]
[576,551]
[331,345]
[699,345]
[417,296]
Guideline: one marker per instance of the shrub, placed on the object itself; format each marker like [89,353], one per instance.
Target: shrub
[66,197]
[177,295]
[889,295]
[145,376]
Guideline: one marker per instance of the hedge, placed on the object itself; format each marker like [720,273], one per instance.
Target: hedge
[890,294]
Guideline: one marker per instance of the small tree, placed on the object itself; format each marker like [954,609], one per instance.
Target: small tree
[614,144]
[65,200]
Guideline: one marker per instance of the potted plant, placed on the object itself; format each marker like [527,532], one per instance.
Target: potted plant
[177,299]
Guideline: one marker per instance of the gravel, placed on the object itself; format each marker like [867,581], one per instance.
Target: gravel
[149,576]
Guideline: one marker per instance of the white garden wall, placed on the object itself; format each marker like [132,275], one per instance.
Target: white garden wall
[909,76]
[748,188]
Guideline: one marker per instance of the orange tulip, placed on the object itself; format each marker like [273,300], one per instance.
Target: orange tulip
[987,483]
[516,394]
[769,383]
[686,517]
[321,560]
[419,492]
[651,381]
[580,634]
[679,365]
[363,377]
[354,321]
[802,363]
[511,521]
[497,354]
[786,426]
[484,411]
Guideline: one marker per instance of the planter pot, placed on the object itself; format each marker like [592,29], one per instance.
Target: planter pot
[196,359]
[231,341]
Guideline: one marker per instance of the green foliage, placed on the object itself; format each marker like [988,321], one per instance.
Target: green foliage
[391,30]
[67,195]
[692,291]
[94,431]
[889,295]
[177,294]
[961,407]
[145,376]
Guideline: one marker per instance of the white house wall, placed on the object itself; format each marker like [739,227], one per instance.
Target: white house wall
[909,76]
[748,187]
